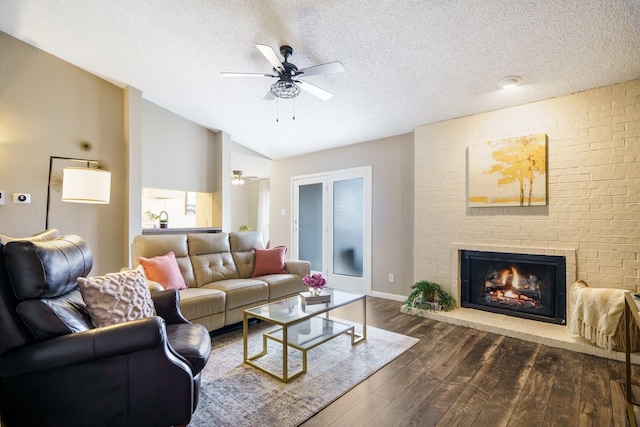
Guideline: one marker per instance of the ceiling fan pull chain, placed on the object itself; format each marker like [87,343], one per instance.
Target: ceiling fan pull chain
[277,110]
[294,108]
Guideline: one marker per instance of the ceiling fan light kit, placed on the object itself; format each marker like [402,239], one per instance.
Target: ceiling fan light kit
[285,90]
[288,85]
[237,178]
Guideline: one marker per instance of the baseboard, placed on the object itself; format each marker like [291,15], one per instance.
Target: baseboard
[392,297]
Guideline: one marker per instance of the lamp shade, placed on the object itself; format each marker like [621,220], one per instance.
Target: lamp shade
[86,185]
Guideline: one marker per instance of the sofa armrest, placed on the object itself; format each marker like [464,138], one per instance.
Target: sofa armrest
[299,267]
[154,286]
[74,349]
[167,304]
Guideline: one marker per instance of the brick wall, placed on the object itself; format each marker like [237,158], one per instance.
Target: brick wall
[593,187]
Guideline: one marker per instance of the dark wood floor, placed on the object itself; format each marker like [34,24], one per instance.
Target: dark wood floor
[456,376]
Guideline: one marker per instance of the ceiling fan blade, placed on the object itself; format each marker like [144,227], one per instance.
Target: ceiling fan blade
[232,74]
[269,96]
[271,56]
[314,90]
[328,68]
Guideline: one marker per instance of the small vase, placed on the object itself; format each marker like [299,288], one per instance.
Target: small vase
[315,291]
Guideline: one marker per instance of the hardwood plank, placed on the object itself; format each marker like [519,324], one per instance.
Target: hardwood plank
[564,403]
[426,353]
[617,385]
[501,402]
[474,396]
[450,361]
[618,403]
[536,392]
[342,405]
[595,397]
[455,418]
[467,363]
[405,403]
[363,412]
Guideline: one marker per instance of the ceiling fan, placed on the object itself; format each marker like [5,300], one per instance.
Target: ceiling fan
[289,84]
[237,178]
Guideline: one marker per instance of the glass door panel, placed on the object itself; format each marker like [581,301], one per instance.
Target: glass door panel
[348,225]
[310,224]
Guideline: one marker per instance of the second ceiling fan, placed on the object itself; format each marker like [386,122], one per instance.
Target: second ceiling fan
[289,84]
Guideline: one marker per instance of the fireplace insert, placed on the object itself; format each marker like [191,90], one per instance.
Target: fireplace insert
[521,285]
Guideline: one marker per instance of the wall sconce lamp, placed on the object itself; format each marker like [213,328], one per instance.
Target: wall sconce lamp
[81,184]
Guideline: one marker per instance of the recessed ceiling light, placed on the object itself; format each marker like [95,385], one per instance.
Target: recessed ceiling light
[511,81]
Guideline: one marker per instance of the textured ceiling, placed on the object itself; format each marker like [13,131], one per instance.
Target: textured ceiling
[407,63]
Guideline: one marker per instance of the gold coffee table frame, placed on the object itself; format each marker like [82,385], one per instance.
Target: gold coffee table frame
[302,327]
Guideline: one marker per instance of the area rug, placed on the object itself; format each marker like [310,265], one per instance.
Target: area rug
[236,394]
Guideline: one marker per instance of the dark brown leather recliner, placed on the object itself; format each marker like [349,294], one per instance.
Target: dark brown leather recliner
[57,369]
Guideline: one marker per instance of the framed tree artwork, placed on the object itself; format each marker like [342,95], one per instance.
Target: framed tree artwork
[508,172]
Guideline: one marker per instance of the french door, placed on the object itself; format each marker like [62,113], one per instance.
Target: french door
[332,226]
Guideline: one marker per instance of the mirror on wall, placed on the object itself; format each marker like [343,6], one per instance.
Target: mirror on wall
[177,209]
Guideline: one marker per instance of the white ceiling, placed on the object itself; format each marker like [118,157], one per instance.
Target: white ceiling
[408,62]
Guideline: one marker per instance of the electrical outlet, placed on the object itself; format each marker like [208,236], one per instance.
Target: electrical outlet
[2,197]
[391,278]
[21,198]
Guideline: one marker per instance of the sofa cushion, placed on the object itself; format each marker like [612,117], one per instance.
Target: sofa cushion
[52,317]
[117,297]
[241,292]
[201,302]
[211,258]
[150,246]
[243,245]
[164,270]
[282,285]
[269,261]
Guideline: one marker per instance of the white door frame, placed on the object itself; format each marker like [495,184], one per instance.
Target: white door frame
[356,284]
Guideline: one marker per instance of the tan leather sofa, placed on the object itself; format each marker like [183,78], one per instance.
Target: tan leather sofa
[217,269]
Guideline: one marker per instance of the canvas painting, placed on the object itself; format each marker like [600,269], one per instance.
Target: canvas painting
[508,172]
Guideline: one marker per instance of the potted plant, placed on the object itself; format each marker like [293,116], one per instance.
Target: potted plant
[164,219]
[244,228]
[430,296]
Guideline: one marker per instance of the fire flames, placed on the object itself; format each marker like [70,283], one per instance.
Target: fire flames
[507,287]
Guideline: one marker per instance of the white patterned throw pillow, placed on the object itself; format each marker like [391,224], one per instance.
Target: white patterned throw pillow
[117,297]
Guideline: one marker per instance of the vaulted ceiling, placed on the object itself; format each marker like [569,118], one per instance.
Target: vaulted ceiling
[407,62]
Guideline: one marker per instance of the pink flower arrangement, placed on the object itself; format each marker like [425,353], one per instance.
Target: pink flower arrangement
[314,281]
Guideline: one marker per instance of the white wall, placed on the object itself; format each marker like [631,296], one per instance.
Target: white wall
[392,171]
[593,186]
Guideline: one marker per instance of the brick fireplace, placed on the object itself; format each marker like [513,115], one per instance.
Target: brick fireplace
[592,211]
[569,271]
[531,286]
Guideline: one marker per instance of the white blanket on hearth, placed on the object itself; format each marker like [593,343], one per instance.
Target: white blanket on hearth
[596,313]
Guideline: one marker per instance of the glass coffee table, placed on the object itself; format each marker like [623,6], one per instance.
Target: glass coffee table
[301,327]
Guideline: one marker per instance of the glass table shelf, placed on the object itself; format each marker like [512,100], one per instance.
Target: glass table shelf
[301,327]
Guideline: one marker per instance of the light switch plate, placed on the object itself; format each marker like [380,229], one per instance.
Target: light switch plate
[2,197]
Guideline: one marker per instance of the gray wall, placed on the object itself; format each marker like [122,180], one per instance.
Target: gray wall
[177,154]
[392,197]
[47,108]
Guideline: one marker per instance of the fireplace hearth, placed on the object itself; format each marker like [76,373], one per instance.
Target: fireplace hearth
[522,285]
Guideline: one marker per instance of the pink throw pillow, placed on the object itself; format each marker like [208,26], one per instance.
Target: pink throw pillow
[270,261]
[164,270]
